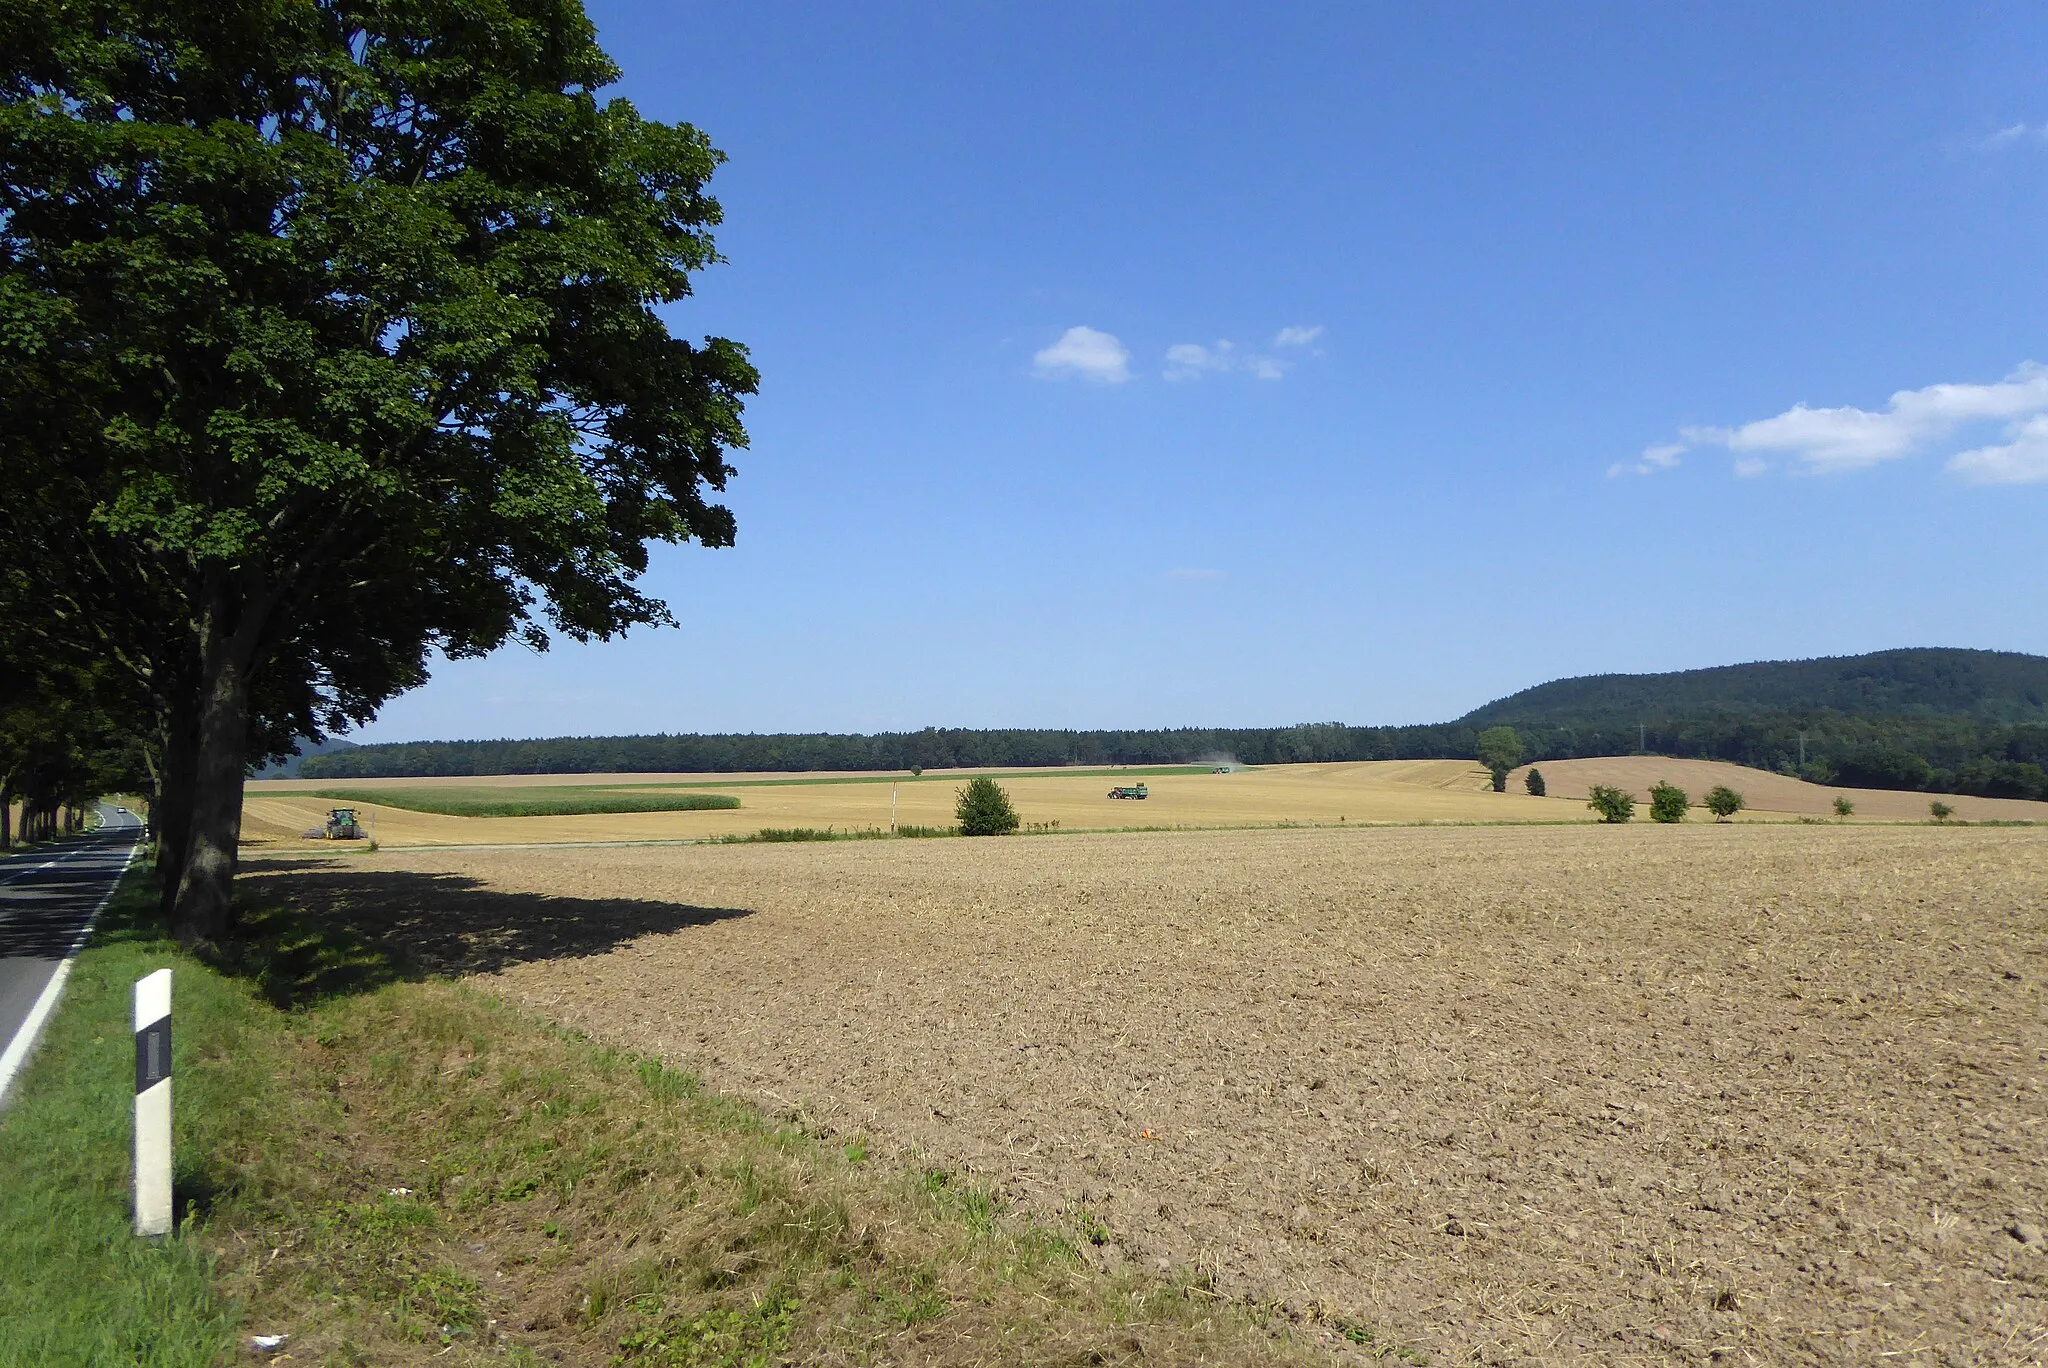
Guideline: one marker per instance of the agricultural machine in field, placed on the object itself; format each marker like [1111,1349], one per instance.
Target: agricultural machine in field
[342,826]
[1130,791]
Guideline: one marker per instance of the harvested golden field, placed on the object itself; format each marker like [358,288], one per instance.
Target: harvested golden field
[1764,791]
[1358,793]
[1382,791]
[1563,1095]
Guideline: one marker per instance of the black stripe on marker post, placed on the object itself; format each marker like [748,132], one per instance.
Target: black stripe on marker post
[152,1054]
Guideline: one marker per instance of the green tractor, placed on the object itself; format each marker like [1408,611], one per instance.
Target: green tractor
[1130,791]
[342,825]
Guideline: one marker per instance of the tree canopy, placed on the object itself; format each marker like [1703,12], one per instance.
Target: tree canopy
[340,322]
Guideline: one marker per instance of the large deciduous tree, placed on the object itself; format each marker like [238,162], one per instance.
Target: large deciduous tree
[342,321]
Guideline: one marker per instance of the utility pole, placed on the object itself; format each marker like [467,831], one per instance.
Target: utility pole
[1642,737]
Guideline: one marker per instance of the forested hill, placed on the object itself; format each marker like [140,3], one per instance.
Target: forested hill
[1991,686]
[1943,720]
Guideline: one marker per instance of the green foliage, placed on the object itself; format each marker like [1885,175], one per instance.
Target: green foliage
[1613,804]
[1724,802]
[1994,685]
[1668,802]
[1500,750]
[332,335]
[539,801]
[1533,781]
[1940,811]
[1843,807]
[983,809]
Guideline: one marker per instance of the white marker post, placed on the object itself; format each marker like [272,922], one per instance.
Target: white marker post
[153,1104]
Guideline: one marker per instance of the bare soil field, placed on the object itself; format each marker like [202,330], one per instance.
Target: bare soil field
[1356,793]
[1765,791]
[1561,1095]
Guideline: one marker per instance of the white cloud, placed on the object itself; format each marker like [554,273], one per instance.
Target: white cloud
[1297,336]
[2016,133]
[1190,360]
[1662,456]
[2022,460]
[1830,440]
[1086,354]
[1749,467]
[1186,360]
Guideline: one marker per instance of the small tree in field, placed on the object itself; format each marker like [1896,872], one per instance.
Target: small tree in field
[1533,781]
[1500,750]
[1843,807]
[1724,802]
[1940,811]
[984,809]
[1613,804]
[1668,802]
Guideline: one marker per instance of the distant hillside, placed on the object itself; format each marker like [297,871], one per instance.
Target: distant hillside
[1944,721]
[289,768]
[1988,686]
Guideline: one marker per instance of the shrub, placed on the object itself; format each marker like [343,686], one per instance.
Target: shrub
[1500,750]
[1668,802]
[1533,781]
[1724,802]
[1940,811]
[1613,804]
[984,809]
[1843,807]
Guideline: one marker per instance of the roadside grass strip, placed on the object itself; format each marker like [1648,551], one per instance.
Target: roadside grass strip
[391,1168]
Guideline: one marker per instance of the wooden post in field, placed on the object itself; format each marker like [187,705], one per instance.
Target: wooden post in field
[892,809]
[153,1104]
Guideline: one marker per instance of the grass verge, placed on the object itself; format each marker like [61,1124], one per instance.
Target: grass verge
[540,801]
[392,1169]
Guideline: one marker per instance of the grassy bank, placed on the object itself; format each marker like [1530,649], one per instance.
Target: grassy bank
[539,801]
[391,1168]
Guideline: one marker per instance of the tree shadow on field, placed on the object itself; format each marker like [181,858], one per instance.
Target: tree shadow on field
[310,930]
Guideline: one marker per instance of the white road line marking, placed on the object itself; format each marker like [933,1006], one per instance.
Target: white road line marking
[32,1025]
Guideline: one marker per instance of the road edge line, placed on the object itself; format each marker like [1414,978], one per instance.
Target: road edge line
[24,1042]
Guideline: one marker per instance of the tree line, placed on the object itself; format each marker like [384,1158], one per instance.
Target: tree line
[1945,755]
[329,339]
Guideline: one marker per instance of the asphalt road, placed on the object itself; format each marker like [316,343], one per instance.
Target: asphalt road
[46,898]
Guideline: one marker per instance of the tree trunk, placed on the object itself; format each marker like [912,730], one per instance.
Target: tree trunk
[6,817]
[171,812]
[203,913]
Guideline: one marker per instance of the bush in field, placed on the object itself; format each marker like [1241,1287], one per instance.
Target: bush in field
[1500,750]
[1613,804]
[1724,802]
[1668,802]
[984,809]
[1940,811]
[1533,781]
[1843,807]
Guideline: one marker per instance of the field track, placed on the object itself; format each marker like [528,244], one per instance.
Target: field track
[1581,1095]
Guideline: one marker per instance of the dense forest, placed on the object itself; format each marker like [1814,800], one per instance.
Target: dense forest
[1946,721]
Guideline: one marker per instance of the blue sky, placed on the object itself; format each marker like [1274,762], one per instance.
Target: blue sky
[1153,365]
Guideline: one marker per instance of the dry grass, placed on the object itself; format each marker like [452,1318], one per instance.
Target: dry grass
[1564,1095]
[1364,793]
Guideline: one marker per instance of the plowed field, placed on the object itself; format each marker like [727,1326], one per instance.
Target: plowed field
[1574,1095]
